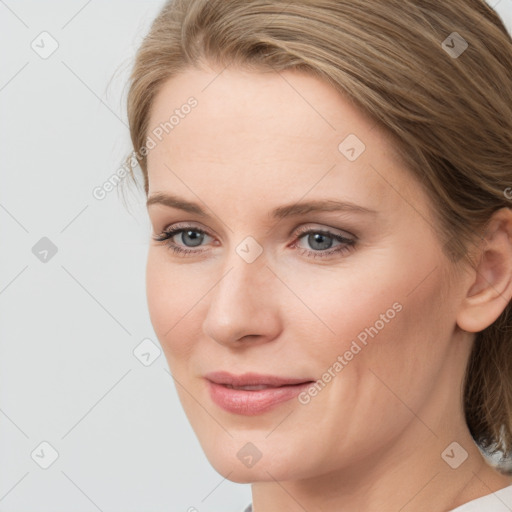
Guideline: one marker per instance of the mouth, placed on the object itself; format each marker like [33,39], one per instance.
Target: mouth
[252,379]
[253,388]
[251,394]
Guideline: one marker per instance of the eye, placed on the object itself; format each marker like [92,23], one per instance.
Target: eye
[322,243]
[189,236]
[185,239]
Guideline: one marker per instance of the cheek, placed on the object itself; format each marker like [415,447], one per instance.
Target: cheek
[159,297]
[385,346]
[335,305]
[377,316]
[173,296]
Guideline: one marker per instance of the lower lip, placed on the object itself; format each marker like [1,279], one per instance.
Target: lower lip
[250,403]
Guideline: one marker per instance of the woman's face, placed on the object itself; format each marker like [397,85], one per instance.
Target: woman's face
[268,287]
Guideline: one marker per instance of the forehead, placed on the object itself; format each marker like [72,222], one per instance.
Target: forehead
[264,131]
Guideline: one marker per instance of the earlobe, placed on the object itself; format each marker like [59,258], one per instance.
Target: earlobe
[490,289]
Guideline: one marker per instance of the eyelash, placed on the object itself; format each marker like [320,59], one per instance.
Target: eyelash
[346,244]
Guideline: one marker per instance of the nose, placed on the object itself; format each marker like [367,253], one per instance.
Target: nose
[243,305]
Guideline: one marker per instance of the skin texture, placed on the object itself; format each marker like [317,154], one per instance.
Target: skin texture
[372,439]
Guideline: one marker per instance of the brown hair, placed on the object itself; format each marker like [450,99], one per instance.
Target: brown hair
[450,114]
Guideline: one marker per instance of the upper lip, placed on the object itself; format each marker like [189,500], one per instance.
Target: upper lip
[252,379]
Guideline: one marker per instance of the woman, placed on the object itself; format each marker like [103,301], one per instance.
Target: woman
[330,272]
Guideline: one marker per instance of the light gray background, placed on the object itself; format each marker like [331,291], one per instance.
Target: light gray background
[69,326]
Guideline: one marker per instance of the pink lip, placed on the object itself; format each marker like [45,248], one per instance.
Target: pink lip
[252,402]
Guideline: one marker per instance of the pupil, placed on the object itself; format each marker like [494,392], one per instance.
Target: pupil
[195,237]
[320,239]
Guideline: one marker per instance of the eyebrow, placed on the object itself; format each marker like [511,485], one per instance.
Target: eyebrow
[299,208]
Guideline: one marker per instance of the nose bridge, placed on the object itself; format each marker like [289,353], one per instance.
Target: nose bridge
[240,302]
[241,283]
[246,267]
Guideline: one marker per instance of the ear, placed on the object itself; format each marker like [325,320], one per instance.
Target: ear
[490,282]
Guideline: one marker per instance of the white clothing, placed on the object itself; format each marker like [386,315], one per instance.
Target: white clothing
[499,501]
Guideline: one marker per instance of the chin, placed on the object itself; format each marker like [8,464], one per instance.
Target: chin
[234,463]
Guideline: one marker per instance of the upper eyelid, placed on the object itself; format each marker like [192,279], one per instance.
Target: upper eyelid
[303,227]
[333,231]
[298,232]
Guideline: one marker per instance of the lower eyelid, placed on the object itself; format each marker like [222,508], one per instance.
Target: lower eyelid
[343,247]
